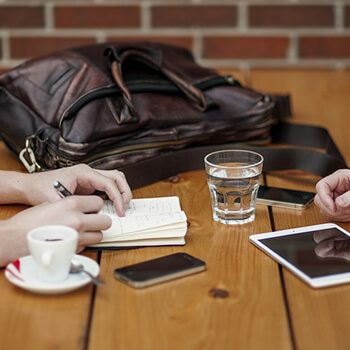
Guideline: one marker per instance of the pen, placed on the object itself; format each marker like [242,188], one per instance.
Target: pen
[61,190]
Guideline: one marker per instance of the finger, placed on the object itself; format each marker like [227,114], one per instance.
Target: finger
[324,207]
[94,222]
[333,186]
[120,180]
[88,238]
[323,235]
[335,217]
[342,254]
[339,217]
[325,196]
[343,213]
[343,201]
[116,197]
[337,179]
[85,204]
[325,248]
[110,185]
[124,188]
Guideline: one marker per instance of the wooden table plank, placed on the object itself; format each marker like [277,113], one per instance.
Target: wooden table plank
[319,97]
[184,313]
[320,318]
[31,321]
[9,161]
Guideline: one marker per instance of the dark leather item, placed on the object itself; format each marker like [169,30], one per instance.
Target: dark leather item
[306,158]
[114,104]
[144,108]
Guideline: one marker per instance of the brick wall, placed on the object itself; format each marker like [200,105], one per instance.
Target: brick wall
[222,33]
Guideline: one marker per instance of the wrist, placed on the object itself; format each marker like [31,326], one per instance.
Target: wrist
[12,245]
[14,188]
[25,188]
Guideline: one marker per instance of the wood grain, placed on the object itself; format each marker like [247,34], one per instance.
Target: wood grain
[189,312]
[320,318]
[242,301]
[31,321]
[319,97]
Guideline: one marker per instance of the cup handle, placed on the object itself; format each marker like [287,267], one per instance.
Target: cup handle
[46,258]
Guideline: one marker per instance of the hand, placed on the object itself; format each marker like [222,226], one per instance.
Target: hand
[78,179]
[333,195]
[74,211]
[332,245]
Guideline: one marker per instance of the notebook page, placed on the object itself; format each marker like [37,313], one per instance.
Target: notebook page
[138,223]
[143,242]
[144,206]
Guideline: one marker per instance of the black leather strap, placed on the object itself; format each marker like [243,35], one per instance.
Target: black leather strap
[306,136]
[275,158]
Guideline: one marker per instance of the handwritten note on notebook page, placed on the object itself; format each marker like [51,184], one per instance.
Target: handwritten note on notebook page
[147,221]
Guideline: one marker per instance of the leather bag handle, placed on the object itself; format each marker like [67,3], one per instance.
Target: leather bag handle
[129,113]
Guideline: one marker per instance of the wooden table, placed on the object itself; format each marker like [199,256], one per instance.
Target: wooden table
[245,300]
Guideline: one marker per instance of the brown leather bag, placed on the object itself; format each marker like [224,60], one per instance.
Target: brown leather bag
[114,105]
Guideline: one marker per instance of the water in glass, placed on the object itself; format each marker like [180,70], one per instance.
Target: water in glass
[234,194]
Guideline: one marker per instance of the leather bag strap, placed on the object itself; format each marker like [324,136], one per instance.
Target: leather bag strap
[129,113]
[275,158]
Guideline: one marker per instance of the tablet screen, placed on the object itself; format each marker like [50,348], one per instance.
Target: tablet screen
[317,253]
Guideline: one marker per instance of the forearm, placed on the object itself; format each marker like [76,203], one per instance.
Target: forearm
[69,211]
[13,187]
[34,189]
[12,243]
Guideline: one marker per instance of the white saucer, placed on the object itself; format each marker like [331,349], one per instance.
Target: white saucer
[22,273]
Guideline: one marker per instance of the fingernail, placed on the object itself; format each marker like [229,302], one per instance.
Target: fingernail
[342,201]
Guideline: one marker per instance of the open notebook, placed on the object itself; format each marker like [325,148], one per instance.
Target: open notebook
[147,222]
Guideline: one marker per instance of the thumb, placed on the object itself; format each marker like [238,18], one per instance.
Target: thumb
[343,201]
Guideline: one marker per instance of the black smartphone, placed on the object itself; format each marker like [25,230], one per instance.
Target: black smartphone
[285,198]
[159,270]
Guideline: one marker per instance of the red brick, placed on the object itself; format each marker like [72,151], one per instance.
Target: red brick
[24,47]
[194,16]
[291,16]
[245,47]
[180,41]
[21,16]
[324,47]
[347,16]
[97,16]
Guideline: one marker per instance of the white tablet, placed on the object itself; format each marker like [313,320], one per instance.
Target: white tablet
[319,254]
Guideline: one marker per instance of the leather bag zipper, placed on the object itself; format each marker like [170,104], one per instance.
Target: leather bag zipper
[113,90]
[62,159]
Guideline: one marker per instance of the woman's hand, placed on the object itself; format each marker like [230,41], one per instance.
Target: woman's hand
[78,179]
[78,212]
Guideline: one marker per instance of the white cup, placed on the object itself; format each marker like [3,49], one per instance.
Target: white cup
[52,248]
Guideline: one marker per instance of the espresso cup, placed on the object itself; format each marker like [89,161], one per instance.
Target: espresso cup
[52,249]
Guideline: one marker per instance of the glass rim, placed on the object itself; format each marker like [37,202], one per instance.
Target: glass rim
[234,151]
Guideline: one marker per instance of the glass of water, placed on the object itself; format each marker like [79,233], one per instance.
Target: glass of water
[233,178]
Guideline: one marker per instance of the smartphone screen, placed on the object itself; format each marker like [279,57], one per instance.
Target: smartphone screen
[284,198]
[159,270]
